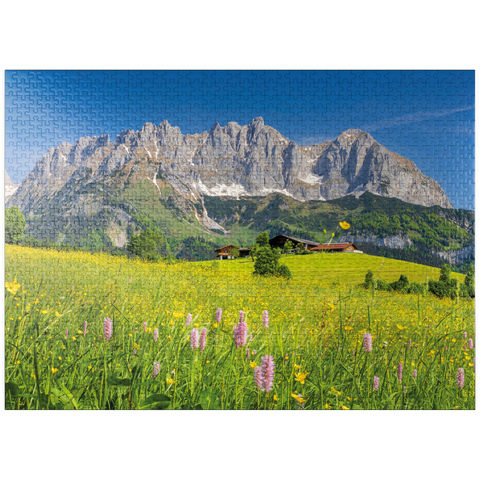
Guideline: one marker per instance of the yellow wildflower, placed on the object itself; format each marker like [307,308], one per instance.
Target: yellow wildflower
[58,314]
[345,225]
[12,287]
[253,364]
[44,311]
[345,408]
[54,370]
[170,381]
[298,398]
[300,377]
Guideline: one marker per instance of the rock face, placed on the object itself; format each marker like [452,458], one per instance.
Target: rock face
[10,187]
[393,241]
[234,160]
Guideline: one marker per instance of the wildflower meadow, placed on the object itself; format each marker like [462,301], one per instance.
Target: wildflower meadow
[91,331]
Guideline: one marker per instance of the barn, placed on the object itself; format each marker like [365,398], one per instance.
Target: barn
[337,247]
[280,240]
[225,253]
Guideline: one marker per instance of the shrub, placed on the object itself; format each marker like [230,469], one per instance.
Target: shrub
[284,271]
[401,285]
[368,280]
[304,252]
[383,285]
[443,289]
[266,261]
[445,286]
[416,288]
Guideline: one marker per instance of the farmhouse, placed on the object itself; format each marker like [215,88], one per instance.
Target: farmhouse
[280,240]
[337,247]
[225,253]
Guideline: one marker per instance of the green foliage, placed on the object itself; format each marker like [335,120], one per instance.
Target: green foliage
[445,273]
[288,247]
[444,286]
[254,250]
[470,277]
[467,289]
[14,225]
[235,252]
[416,288]
[146,245]
[304,252]
[368,280]
[401,285]
[381,284]
[263,239]
[284,271]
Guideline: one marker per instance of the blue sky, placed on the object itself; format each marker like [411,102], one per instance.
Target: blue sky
[426,116]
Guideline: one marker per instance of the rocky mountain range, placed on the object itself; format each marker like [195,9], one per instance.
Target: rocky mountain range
[10,187]
[161,178]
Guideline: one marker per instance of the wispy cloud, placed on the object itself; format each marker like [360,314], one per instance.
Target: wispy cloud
[412,118]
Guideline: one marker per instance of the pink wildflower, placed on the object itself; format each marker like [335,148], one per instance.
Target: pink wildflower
[265,318]
[460,378]
[156,369]
[203,339]
[414,374]
[155,334]
[376,383]
[465,335]
[400,369]
[144,327]
[258,376]
[248,353]
[194,339]
[367,342]
[189,320]
[240,333]
[470,344]
[84,328]
[218,315]
[107,328]
[66,333]
[268,370]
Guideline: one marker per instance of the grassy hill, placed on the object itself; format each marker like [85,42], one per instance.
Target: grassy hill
[338,268]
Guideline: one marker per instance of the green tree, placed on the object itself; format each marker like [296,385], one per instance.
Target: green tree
[468,289]
[235,252]
[263,239]
[146,245]
[14,225]
[266,261]
[288,247]
[253,250]
[445,272]
[470,277]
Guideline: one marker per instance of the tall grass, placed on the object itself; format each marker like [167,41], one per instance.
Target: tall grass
[315,337]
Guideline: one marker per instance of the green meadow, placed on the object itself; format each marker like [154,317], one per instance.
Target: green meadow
[328,343]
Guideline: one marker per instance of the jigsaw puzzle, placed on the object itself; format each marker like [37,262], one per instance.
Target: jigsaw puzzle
[288,240]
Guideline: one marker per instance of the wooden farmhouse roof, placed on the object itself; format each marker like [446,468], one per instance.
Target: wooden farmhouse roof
[222,249]
[335,246]
[296,240]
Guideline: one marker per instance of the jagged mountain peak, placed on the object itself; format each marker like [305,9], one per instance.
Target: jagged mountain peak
[232,160]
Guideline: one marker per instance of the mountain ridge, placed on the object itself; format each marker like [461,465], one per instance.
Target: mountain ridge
[235,160]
